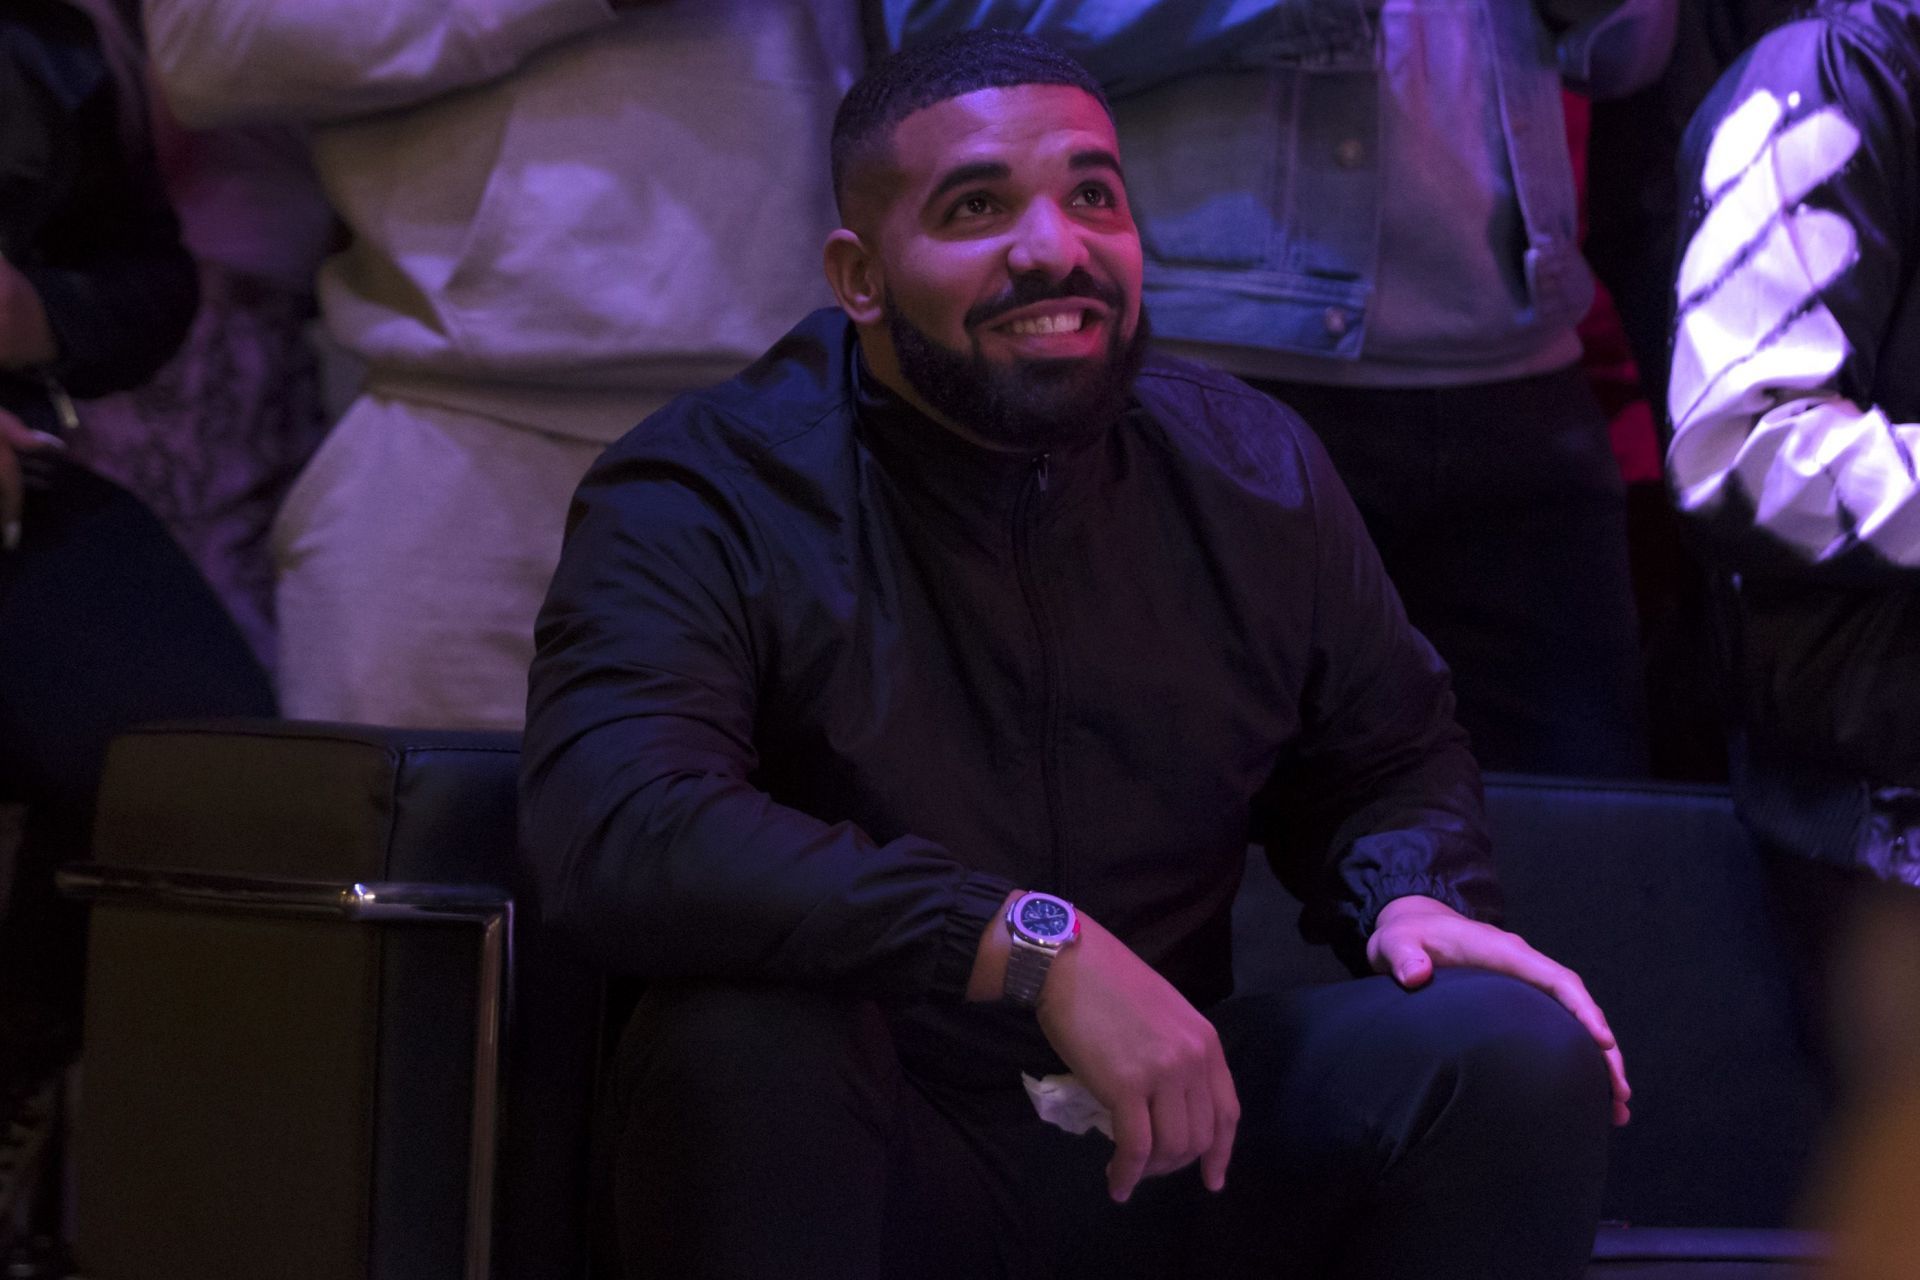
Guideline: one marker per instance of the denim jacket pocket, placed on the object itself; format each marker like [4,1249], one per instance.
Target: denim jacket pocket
[1221,167]
[1205,158]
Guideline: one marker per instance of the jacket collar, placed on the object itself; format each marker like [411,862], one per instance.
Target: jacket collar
[983,490]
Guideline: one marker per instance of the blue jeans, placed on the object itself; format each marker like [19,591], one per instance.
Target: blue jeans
[771,1132]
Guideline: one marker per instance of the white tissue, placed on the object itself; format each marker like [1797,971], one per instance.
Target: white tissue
[1064,1103]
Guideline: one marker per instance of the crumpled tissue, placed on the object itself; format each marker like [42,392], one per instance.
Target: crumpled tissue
[1064,1103]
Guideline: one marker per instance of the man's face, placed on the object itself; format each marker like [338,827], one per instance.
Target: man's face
[1010,266]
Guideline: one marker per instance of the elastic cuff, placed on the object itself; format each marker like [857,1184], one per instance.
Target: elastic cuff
[976,900]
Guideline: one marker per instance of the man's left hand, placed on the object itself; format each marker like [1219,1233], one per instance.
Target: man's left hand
[1413,935]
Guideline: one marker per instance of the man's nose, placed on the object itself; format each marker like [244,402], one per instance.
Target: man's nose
[1045,240]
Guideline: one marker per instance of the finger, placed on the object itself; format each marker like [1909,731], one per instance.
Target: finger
[13,431]
[1566,987]
[11,497]
[1200,1121]
[1572,994]
[1407,961]
[24,438]
[1510,954]
[1170,1144]
[1622,1091]
[1132,1144]
[1226,1123]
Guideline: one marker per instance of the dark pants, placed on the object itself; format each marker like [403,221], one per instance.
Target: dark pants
[104,623]
[1500,515]
[1459,1131]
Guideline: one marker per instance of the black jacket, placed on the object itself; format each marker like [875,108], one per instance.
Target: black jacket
[86,223]
[818,682]
[1796,407]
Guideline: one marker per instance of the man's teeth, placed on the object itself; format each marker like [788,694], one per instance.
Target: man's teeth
[1065,322]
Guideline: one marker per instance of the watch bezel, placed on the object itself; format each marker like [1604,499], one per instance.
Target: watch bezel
[1021,934]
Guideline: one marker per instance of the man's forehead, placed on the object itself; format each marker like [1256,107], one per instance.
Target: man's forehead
[989,122]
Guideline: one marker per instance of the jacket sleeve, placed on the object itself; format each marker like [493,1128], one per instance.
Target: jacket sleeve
[247,61]
[1804,162]
[1611,48]
[118,287]
[1381,799]
[1131,45]
[649,838]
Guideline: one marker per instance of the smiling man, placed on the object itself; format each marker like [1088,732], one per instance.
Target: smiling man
[1024,341]
[903,709]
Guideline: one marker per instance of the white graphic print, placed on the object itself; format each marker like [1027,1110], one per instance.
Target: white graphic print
[1753,393]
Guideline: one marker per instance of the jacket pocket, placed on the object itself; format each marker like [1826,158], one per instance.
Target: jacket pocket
[1206,156]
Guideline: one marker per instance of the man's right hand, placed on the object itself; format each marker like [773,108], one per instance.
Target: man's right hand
[1149,1056]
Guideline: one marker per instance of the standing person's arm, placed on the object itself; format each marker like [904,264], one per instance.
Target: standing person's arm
[107,292]
[1130,46]
[98,290]
[240,61]
[1804,158]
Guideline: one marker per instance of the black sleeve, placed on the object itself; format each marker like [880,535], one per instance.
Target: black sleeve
[118,287]
[649,839]
[1792,290]
[1381,798]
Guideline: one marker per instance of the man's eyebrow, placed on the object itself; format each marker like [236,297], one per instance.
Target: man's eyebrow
[961,175]
[1096,158]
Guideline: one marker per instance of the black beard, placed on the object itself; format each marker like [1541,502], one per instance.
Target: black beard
[1028,406]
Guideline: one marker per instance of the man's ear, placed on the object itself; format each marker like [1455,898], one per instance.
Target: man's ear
[853,273]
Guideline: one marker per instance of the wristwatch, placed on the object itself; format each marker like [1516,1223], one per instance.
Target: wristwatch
[1040,927]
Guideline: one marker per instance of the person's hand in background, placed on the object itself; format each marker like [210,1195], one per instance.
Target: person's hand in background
[26,339]
[21,449]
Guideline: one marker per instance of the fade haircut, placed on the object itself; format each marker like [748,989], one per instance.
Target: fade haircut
[915,79]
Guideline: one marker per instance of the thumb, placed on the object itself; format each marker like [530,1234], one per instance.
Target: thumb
[1408,962]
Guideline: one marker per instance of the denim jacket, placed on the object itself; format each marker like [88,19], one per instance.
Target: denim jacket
[1251,136]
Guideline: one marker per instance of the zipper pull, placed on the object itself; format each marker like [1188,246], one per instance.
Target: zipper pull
[1040,471]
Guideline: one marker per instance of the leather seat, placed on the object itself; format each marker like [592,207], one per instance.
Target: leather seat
[303,961]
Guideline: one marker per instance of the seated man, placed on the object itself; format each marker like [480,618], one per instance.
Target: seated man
[902,711]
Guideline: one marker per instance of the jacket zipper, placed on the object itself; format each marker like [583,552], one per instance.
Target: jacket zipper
[1049,691]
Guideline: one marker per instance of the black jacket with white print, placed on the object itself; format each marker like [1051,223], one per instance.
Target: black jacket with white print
[1795,402]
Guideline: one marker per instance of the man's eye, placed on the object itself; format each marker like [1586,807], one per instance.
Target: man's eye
[1095,195]
[973,207]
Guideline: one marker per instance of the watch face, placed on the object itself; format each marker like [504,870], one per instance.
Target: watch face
[1045,917]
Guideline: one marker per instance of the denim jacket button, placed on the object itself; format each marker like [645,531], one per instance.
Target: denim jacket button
[1350,153]
[1336,321]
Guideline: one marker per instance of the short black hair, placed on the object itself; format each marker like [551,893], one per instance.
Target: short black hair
[925,75]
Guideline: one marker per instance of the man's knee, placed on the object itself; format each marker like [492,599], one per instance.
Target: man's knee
[1506,1046]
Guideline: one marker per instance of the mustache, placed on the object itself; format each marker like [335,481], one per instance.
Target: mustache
[1030,289]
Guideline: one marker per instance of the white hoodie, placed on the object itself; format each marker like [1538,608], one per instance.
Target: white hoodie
[557,211]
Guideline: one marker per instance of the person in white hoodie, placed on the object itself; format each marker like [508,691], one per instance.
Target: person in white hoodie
[562,214]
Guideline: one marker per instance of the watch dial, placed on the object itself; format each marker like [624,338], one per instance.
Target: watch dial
[1043,918]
